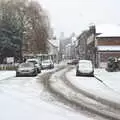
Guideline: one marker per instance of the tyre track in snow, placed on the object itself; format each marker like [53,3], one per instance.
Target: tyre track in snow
[78,99]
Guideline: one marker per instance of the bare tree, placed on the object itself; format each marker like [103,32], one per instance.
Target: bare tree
[40,26]
[33,23]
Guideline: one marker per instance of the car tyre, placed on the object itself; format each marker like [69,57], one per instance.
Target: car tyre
[17,75]
[39,71]
[35,73]
[77,74]
[92,75]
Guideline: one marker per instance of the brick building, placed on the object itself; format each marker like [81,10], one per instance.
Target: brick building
[107,43]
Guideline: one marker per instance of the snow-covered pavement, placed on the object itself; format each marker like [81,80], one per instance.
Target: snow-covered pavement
[111,79]
[95,87]
[6,74]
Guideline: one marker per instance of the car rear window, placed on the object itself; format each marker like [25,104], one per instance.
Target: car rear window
[85,64]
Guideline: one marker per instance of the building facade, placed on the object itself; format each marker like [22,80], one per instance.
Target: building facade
[106,47]
[86,44]
[99,43]
[82,42]
[107,43]
[53,50]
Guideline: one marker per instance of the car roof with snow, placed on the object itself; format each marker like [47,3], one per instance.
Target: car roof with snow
[32,59]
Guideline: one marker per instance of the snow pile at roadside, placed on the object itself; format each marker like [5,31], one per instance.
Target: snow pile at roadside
[111,79]
[6,74]
[93,86]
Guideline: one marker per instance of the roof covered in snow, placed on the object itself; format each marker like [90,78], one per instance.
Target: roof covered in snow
[108,30]
[108,48]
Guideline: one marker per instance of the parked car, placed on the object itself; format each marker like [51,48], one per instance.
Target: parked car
[26,69]
[73,62]
[36,62]
[69,62]
[84,68]
[47,64]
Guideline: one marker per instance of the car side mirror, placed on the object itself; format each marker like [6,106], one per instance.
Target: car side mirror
[35,66]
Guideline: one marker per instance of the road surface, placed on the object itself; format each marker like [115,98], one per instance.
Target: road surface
[49,95]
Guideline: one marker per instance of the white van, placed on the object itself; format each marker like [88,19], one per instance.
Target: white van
[85,68]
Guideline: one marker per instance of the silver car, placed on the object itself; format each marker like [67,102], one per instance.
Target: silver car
[26,69]
[47,64]
[84,68]
[36,62]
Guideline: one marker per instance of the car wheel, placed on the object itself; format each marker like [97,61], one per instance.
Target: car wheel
[77,74]
[53,66]
[17,75]
[35,74]
[50,66]
[38,71]
[92,75]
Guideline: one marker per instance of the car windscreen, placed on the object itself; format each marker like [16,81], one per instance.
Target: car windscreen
[32,61]
[25,65]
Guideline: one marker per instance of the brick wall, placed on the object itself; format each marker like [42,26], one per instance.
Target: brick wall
[108,41]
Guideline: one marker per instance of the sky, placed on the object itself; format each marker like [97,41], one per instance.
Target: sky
[76,15]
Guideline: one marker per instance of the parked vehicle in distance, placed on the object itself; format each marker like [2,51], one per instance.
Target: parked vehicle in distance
[26,69]
[47,64]
[69,62]
[84,68]
[73,62]
[36,62]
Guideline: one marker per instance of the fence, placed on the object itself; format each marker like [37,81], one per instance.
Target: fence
[8,66]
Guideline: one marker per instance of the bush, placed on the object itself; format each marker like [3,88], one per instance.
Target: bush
[113,64]
[8,67]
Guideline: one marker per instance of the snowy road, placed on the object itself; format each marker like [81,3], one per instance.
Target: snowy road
[65,92]
[24,98]
[50,96]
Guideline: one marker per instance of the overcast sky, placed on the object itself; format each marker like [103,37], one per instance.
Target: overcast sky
[75,15]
